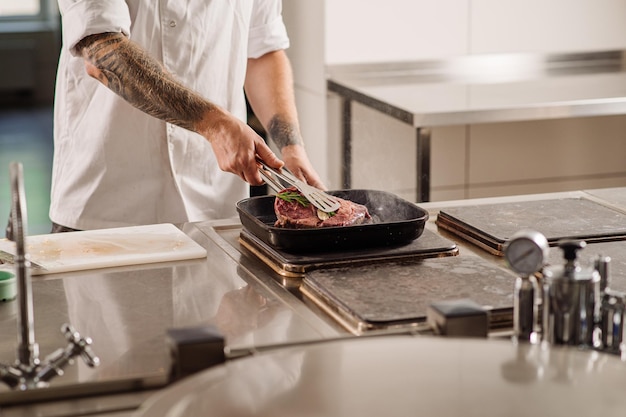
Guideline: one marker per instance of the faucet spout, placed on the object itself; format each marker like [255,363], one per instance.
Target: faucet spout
[27,349]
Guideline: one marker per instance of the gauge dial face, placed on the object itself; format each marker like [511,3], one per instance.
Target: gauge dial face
[526,252]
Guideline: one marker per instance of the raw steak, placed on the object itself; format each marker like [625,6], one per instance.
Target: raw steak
[295,214]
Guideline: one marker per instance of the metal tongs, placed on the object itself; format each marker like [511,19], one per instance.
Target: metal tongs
[323,201]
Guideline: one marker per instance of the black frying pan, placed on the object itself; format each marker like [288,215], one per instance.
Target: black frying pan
[396,222]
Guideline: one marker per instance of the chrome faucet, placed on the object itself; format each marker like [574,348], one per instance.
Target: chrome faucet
[28,371]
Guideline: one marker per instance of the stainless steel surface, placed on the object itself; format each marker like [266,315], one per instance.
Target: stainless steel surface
[111,405]
[404,375]
[324,202]
[488,88]
[479,89]
[127,311]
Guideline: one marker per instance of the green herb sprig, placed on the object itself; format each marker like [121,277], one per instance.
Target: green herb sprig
[293,196]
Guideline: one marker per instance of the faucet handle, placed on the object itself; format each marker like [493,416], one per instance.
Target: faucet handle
[80,345]
[88,356]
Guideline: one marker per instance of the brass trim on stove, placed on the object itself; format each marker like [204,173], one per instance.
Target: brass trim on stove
[283,271]
[494,248]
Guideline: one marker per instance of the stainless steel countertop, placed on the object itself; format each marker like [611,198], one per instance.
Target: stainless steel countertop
[127,311]
[488,88]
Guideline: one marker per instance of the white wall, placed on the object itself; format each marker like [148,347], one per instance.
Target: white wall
[395,30]
[546,25]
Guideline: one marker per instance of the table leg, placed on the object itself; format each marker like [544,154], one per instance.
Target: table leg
[423,164]
[346,139]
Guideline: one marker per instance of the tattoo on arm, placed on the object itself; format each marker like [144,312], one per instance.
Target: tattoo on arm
[283,133]
[140,80]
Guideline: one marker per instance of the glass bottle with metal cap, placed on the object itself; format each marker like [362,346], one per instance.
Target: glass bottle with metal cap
[572,304]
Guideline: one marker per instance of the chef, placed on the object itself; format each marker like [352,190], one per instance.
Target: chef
[150,110]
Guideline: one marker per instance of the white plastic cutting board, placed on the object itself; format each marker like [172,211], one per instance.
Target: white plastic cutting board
[135,245]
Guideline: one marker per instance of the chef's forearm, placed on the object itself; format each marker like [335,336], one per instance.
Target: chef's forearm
[269,87]
[139,79]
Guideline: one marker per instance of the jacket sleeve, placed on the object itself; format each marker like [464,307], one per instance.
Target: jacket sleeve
[81,18]
[267,29]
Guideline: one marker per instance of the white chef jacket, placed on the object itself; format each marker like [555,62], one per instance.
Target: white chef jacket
[117,166]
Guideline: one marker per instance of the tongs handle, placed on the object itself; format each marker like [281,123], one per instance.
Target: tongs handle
[282,174]
[271,181]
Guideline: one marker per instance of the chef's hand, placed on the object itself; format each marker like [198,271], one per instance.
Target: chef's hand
[237,146]
[297,161]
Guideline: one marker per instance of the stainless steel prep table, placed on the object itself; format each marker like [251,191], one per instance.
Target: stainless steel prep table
[126,311]
[478,89]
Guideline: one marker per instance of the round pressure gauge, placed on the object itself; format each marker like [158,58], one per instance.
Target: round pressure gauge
[526,251]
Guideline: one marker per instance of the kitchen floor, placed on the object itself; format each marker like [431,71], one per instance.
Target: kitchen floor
[26,137]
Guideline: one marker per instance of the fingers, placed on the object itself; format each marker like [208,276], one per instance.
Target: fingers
[315,181]
[264,153]
[311,178]
[238,151]
[250,172]
[298,163]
